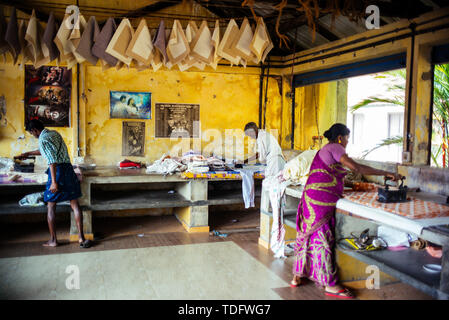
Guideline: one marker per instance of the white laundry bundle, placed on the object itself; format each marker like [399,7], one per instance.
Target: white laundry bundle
[198,166]
[297,169]
[216,164]
[192,156]
[166,165]
[32,200]
[394,237]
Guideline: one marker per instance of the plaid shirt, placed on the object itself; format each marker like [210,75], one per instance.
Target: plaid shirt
[53,147]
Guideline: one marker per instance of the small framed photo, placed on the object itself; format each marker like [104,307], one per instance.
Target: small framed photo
[133,139]
[129,105]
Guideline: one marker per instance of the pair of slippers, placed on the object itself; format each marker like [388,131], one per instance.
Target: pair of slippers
[86,244]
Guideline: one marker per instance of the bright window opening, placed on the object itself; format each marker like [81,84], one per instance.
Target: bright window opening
[376,116]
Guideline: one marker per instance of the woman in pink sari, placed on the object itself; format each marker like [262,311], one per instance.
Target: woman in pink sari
[315,220]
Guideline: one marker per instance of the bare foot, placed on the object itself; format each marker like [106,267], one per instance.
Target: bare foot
[50,243]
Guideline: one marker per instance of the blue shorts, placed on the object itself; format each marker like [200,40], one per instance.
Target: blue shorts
[68,184]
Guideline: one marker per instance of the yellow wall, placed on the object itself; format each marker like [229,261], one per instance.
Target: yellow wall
[228,98]
[227,101]
[12,86]
[312,102]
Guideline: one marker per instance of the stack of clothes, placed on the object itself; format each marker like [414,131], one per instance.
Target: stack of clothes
[198,165]
[195,162]
[166,165]
[216,164]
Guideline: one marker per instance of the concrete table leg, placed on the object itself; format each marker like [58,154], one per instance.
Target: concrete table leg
[265,230]
[194,219]
[87,226]
[265,221]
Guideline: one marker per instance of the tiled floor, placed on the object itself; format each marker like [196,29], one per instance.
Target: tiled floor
[220,270]
[154,258]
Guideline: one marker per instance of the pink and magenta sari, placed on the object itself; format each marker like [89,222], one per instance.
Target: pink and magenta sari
[315,223]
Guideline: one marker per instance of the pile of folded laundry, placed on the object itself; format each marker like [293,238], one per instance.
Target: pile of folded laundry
[195,162]
[216,164]
[166,165]
[192,161]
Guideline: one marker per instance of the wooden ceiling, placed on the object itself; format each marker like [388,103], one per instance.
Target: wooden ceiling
[293,23]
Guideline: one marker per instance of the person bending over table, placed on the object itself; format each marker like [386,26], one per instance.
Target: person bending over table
[267,149]
[315,220]
[62,184]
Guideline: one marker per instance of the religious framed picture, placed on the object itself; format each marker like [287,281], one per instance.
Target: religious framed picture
[129,105]
[133,139]
[176,119]
[47,95]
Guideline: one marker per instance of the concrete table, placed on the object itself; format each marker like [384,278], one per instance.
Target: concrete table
[353,217]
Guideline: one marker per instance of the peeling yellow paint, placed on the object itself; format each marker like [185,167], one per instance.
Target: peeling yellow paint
[13,138]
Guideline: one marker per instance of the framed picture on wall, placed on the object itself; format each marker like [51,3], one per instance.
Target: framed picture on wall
[47,95]
[133,139]
[176,119]
[129,105]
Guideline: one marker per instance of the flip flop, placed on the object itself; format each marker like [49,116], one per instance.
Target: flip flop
[86,244]
[294,285]
[340,294]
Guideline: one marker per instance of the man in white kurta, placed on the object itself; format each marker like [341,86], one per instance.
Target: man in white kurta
[268,151]
[266,148]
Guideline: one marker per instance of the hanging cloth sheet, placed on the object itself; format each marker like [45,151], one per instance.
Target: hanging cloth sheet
[102,41]
[12,35]
[248,189]
[49,34]
[87,41]
[141,47]
[276,186]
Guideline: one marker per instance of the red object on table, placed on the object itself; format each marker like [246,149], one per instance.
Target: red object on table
[128,164]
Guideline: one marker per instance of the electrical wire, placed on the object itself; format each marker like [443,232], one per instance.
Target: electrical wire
[316,111]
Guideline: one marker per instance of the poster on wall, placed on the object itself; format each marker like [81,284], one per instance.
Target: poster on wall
[47,95]
[133,139]
[130,105]
[176,119]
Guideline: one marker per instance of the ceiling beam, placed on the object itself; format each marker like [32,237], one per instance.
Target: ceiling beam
[26,8]
[151,9]
[430,3]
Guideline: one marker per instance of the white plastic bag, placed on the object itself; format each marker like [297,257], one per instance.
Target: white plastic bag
[32,200]
[393,237]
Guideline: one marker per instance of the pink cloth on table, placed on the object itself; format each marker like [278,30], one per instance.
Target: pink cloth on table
[331,153]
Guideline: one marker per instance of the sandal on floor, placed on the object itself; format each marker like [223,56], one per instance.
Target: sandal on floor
[298,283]
[294,285]
[86,244]
[341,294]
